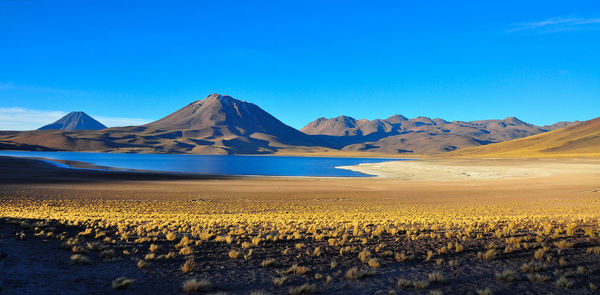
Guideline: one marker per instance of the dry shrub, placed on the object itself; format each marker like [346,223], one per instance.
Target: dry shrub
[143,263]
[485,291]
[563,244]
[537,278]
[364,255]
[80,259]
[563,282]
[279,281]
[186,251]
[532,267]
[436,277]
[298,270]
[304,289]
[268,262]
[356,274]
[122,283]
[106,254]
[194,285]
[374,263]
[507,276]
[188,266]
[171,236]
[153,248]
[150,257]
[404,283]
[234,254]
[419,285]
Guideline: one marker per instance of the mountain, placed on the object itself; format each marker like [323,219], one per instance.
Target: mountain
[75,121]
[224,116]
[218,124]
[421,135]
[575,140]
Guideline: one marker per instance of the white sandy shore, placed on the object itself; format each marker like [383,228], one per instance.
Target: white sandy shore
[474,169]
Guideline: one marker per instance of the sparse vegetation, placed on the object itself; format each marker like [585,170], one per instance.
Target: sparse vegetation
[122,283]
[188,266]
[357,274]
[339,242]
[80,259]
[194,285]
[304,289]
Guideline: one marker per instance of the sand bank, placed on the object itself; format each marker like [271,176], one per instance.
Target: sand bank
[465,169]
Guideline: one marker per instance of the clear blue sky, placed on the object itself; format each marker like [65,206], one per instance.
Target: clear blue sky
[299,60]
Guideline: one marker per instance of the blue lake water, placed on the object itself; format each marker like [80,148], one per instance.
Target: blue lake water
[212,164]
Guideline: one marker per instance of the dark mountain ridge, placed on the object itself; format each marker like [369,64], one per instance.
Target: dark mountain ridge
[75,121]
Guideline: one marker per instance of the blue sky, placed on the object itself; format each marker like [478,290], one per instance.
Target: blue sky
[129,62]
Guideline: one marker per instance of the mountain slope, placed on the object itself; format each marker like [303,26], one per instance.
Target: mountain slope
[420,135]
[75,121]
[215,125]
[224,116]
[580,139]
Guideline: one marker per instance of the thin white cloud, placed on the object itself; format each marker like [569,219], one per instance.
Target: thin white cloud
[557,24]
[16,118]
[116,121]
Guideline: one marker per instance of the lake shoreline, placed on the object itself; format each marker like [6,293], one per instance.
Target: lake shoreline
[238,165]
[14,170]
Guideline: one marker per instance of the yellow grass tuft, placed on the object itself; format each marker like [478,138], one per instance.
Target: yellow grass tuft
[298,270]
[188,266]
[436,277]
[80,259]
[356,274]
[304,289]
[268,262]
[234,254]
[122,283]
[194,285]
[374,263]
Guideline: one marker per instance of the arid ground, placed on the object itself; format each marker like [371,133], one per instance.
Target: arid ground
[425,227]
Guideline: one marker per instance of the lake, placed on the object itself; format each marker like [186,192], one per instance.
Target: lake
[213,164]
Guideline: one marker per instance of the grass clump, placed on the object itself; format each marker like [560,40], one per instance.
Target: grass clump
[80,259]
[374,263]
[485,291]
[506,276]
[563,282]
[234,254]
[304,289]
[356,274]
[186,251]
[171,236]
[532,267]
[268,262]
[298,270]
[143,263]
[194,285]
[279,281]
[436,277]
[404,283]
[122,283]
[420,285]
[537,278]
[188,266]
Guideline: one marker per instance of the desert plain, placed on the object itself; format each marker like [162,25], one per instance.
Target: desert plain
[431,226]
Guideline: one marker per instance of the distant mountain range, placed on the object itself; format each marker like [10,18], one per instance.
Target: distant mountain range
[220,124]
[75,121]
[421,135]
